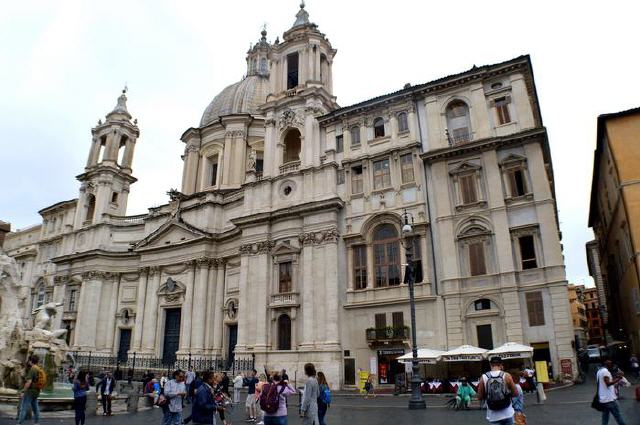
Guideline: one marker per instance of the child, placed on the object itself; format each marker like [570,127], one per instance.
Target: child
[518,406]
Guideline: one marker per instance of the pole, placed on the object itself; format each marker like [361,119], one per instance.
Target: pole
[416,401]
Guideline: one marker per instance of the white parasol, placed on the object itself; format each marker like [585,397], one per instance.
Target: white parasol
[425,355]
[512,350]
[464,353]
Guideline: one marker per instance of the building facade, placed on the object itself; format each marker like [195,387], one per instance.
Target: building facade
[613,215]
[595,322]
[284,242]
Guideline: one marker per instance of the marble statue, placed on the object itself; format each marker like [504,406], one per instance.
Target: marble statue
[253,158]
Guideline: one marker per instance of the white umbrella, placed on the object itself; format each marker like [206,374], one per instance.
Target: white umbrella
[464,353]
[512,350]
[425,355]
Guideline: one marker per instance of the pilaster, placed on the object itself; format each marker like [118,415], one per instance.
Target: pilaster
[151,311]
[140,313]
[187,308]
[200,296]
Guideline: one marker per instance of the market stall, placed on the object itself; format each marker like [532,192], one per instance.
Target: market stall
[467,361]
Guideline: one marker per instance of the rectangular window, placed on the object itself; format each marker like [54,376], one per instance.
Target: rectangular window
[340,177]
[535,308]
[381,320]
[381,174]
[406,163]
[517,184]
[114,197]
[284,277]
[527,252]
[502,108]
[402,122]
[213,176]
[360,266]
[72,300]
[355,136]
[340,143]
[416,258]
[398,319]
[292,70]
[356,180]
[477,264]
[468,192]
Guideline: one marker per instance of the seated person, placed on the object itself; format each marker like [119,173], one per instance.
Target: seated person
[465,393]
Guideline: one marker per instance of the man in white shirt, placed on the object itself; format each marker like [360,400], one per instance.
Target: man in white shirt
[607,393]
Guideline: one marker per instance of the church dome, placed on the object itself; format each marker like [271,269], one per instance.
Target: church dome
[243,97]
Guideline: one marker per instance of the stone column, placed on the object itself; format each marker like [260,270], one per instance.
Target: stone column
[259,279]
[244,309]
[111,316]
[307,296]
[187,309]
[128,155]
[200,305]
[150,312]
[191,160]
[88,316]
[218,326]
[270,148]
[93,153]
[140,303]
[209,318]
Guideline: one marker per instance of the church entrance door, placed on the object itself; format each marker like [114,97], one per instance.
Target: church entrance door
[233,339]
[124,345]
[171,335]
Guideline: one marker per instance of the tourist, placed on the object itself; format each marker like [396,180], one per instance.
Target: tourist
[204,405]
[175,391]
[369,390]
[309,408]
[189,377]
[237,386]
[250,404]
[529,376]
[517,402]
[146,378]
[105,389]
[284,375]
[80,388]
[283,389]
[497,388]
[465,394]
[225,383]
[607,393]
[31,390]
[634,365]
[324,398]
[262,380]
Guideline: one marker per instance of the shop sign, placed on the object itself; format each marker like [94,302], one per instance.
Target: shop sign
[566,366]
[463,357]
[391,352]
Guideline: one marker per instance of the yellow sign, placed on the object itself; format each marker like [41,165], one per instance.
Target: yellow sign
[363,375]
[542,373]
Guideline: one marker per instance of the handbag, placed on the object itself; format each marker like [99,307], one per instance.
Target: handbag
[595,404]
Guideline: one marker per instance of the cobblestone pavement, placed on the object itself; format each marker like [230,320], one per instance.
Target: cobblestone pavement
[563,406]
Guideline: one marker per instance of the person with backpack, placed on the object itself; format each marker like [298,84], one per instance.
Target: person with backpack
[262,380]
[80,388]
[35,380]
[497,388]
[273,400]
[324,400]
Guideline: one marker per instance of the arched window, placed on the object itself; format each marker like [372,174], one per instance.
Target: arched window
[263,65]
[386,256]
[378,127]
[482,304]
[40,295]
[91,208]
[292,146]
[458,123]
[403,125]
[284,332]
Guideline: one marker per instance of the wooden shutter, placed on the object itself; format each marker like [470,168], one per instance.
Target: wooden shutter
[398,319]
[476,259]
[535,308]
[468,189]
[381,321]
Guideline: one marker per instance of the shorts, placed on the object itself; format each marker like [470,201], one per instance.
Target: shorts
[251,400]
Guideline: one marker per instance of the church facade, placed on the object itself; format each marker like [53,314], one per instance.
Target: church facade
[284,242]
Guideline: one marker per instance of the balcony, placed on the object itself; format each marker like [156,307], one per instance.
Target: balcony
[287,299]
[290,167]
[387,334]
[459,138]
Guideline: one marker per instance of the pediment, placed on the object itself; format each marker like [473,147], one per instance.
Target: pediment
[284,248]
[173,232]
[465,167]
[513,159]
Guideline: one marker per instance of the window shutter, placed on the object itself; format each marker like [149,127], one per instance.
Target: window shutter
[381,321]
[535,308]
[476,259]
[398,319]
[468,189]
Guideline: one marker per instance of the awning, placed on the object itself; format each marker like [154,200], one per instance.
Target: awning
[464,353]
[511,350]
[425,355]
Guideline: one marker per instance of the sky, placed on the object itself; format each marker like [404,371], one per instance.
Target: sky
[64,63]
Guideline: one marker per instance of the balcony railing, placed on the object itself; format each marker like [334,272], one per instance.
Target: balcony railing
[290,167]
[389,333]
[459,139]
[287,299]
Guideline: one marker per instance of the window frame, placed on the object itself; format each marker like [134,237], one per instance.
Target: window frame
[358,180]
[535,315]
[378,128]
[357,140]
[404,168]
[403,122]
[530,263]
[453,121]
[472,186]
[339,143]
[501,105]
[285,340]
[477,268]
[359,255]
[381,174]
[386,257]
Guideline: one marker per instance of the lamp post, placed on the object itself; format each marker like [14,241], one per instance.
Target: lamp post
[416,401]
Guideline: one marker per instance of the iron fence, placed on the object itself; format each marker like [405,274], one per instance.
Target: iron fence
[137,365]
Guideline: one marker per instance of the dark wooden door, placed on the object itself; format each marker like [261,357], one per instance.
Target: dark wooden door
[485,337]
[349,371]
[124,345]
[233,340]
[171,335]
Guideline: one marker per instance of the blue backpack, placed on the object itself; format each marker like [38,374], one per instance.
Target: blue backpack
[325,395]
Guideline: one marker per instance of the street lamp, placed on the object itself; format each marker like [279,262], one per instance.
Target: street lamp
[416,401]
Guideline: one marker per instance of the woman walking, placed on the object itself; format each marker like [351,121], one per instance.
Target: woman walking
[324,399]
[80,388]
[309,409]
[283,390]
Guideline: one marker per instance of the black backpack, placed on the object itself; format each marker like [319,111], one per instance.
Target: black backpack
[498,397]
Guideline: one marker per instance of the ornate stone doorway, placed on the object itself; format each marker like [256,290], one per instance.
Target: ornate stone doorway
[233,339]
[171,334]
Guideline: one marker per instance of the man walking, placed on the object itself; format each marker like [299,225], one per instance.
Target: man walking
[607,393]
[497,388]
[31,391]
[175,391]
[105,389]
[251,403]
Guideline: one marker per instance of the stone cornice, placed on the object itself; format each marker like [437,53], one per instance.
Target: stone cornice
[297,210]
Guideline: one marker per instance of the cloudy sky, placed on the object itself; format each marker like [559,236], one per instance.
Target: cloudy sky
[63,64]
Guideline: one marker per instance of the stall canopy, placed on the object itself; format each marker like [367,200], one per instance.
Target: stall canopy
[511,350]
[464,353]
[425,355]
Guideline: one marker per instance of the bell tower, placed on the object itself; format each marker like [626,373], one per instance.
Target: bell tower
[104,185]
